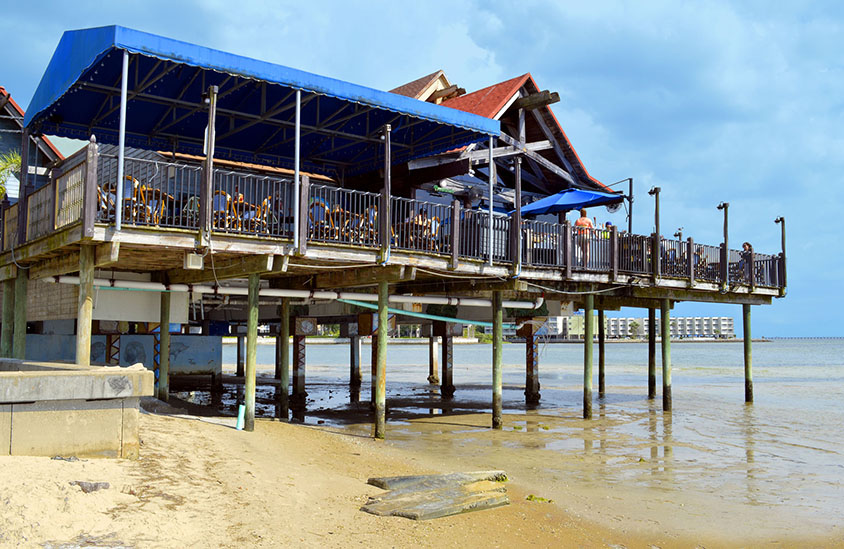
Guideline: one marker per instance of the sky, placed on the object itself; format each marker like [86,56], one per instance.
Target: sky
[711,101]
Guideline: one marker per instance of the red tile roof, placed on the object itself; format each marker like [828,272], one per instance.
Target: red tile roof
[414,89]
[488,101]
[20,111]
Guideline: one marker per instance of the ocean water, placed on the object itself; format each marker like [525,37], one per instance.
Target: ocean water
[714,467]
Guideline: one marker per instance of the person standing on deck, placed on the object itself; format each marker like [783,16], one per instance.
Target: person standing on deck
[584,224]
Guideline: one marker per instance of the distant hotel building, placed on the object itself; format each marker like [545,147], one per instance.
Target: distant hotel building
[572,327]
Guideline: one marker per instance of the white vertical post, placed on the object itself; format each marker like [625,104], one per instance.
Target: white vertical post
[492,178]
[296,144]
[121,141]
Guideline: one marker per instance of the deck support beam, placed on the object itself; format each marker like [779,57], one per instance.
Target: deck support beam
[601,354]
[164,346]
[433,360]
[251,350]
[85,305]
[588,335]
[748,355]
[497,351]
[282,359]
[651,353]
[381,361]
[8,318]
[665,321]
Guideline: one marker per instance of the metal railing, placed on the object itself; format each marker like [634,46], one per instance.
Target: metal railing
[543,244]
[247,203]
[343,216]
[634,254]
[707,263]
[674,258]
[420,226]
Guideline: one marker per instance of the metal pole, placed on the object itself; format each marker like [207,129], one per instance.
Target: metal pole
[385,216]
[588,335]
[782,282]
[665,320]
[381,362]
[296,148]
[251,350]
[655,193]
[497,350]
[726,259]
[121,141]
[630,203]
[748,355]
[492,177]
[518,259]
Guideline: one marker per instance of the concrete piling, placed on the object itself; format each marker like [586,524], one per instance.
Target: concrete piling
[164,346]
[497,351]
[433,366]
[85,305]
[651,353]
[665,321]
[588,335]
[601,355]
[251,350]
[381,364]
[8,318]
[748,355]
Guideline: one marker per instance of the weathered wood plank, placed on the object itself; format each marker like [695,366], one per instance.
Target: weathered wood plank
[221,270]
[104,255]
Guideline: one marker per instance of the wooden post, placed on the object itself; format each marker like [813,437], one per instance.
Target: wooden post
[89,192]
[532,395]
[19,338]
[354,362]
[588,335]
[748,356]
[304,193]
[164,354]
[568,252]
[447,377]
[601,354]
[455,233]
[8,318]
[497,350]
[651,353]
[85,309]
[517,219]
[384,216]
[23,189]
[690,258]
[433,360]
[241,348]
[655,257]
[299,393]
[381,363]
[284,358]
[665,320]
[251,350]
[614,253]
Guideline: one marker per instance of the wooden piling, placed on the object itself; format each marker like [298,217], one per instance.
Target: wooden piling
[748,355]
[354,362]
[240,356]
[601,354]
[19,337]
[532,395]
[588,335]
[164,349]
[651,353]
[433,366]
[299,394]
[381,364]
[497,350]
[447,364]
[85,305]
[284,359]
[251,350]
[665,333]
[8,318]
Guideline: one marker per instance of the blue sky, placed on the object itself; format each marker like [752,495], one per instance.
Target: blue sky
[735,101]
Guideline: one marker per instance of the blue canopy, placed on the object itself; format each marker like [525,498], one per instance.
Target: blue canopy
[570,199]
[79,95]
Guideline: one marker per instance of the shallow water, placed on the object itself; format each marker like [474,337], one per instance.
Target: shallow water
[773,470]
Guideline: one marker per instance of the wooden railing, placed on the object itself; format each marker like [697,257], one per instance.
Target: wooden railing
[70,185]
[39,213]
[10,227]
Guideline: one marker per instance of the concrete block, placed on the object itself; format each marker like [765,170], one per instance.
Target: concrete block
[5,428]
[79,428]
[130,437]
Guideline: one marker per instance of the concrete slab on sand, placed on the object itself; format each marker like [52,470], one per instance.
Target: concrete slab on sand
[424,497]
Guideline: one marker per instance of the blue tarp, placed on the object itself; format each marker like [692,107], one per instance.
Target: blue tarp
[570,199]
[79,96]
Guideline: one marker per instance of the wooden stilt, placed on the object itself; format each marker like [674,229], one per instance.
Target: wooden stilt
[251,350]
[665,333]
[8,318]
[447,365]
[241,351]
[433,360]
[381,362]
[284,359]
[588,335]
[748,355]
[164,346]
[601,354]
[528,331]
[651,353]
[19,337]
[85,305]
[355,378]
[373,365]
[299,393]
[497,350]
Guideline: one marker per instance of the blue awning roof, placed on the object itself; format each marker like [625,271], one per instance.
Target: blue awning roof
[79,95]
[570,199]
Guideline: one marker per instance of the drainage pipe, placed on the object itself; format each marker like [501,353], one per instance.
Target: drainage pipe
[299,294]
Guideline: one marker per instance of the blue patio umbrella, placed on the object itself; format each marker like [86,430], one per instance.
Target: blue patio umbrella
[570,199]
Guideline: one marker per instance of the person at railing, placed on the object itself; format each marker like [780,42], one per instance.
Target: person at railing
[744,262]
[584,226]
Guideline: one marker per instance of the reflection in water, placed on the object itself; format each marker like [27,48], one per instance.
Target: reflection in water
[749,422]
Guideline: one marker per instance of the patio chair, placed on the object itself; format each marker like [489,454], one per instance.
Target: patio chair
[190,212]
[222,214]
[321,222]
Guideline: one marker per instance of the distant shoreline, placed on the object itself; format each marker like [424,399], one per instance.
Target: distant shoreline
[270,340]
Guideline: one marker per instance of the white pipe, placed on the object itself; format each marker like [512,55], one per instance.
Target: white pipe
[300,294]
[296,144]
[121,142]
